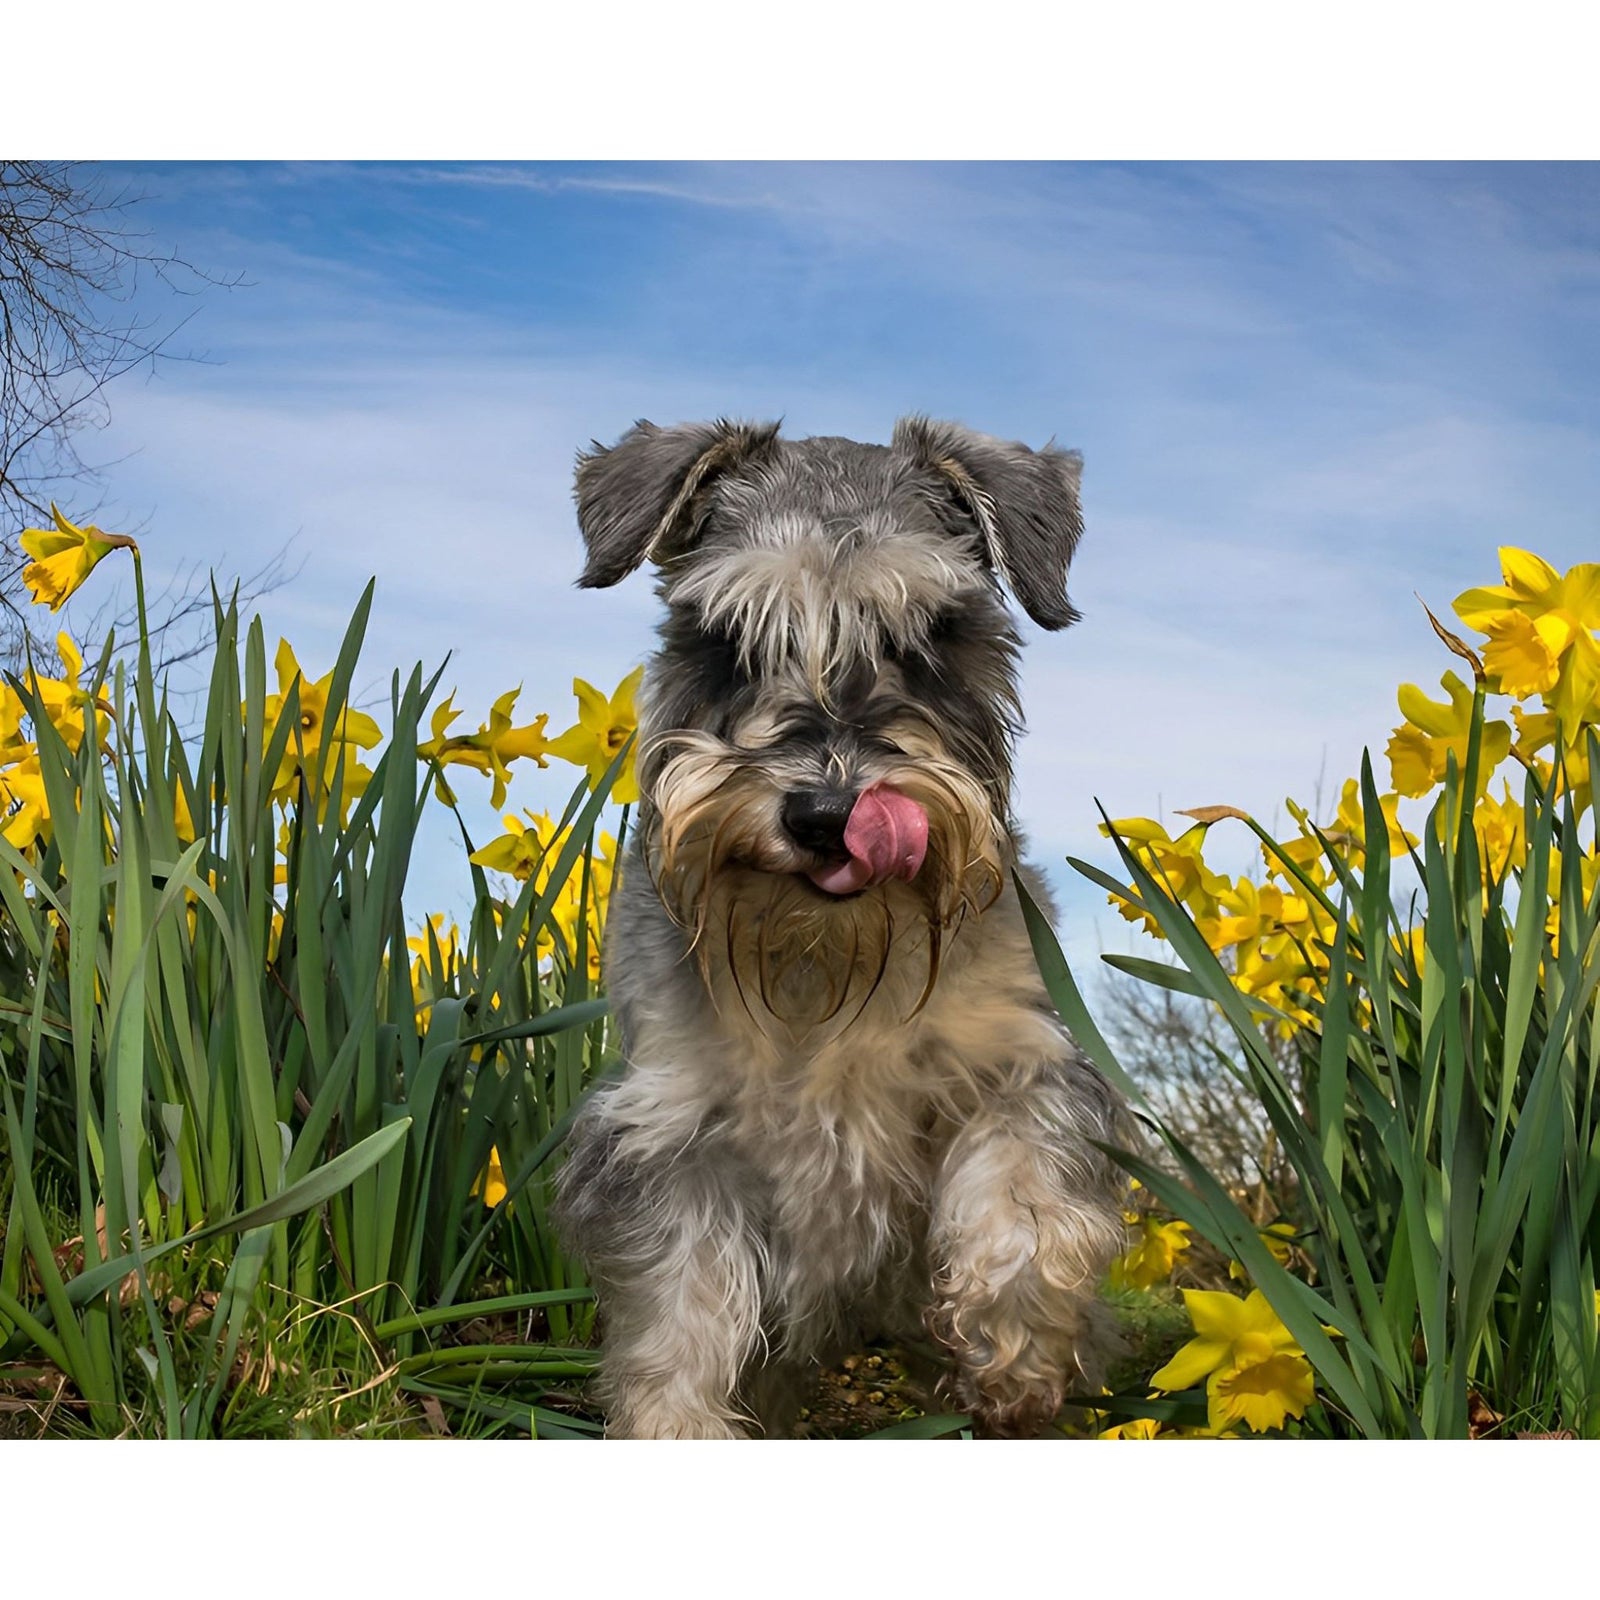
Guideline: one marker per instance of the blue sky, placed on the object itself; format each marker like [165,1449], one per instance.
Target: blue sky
[1302,393]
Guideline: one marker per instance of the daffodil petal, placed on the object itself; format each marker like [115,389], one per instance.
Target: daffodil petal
[1529,576]
[1192,1364]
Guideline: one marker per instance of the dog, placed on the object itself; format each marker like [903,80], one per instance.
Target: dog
[846,1104]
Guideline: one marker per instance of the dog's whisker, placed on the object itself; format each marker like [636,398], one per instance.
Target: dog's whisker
[839,991]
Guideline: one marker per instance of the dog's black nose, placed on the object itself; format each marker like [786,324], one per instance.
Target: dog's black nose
[815,819]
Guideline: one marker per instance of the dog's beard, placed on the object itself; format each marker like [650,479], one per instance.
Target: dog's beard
[728,874]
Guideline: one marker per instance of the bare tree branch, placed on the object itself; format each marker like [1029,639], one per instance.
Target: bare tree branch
[1179,1051]
[71,263]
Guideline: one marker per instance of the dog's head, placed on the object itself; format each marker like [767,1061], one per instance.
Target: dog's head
[826,733]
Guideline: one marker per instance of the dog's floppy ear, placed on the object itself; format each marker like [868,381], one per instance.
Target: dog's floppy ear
[637,500]
[1024,502]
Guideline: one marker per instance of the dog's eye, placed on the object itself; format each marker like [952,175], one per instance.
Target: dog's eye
[714,655]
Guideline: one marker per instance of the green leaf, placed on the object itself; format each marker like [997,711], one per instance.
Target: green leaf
[1160,973]
[937,1426]
[311,1190]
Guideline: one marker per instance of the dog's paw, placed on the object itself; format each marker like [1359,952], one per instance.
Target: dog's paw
[1002,1404]
[667,1423]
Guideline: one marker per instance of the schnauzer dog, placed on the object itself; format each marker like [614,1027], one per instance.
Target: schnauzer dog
[847,1105]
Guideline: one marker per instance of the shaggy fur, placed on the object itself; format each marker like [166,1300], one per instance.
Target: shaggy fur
[839,1113]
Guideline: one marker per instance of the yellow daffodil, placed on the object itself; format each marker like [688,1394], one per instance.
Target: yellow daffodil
[1588,877]
[182,817]
[528,850]
[316,753]
[1314,861]
[1501,829]
[14,744]
[26,805]
[443,715]
[505,744]
[1228,1330]
[1250,912]
[1568,763]
[428,981]
[1261,1394]
[1536,731]
[1276,1237]
[64,702]
[568,907]
[63,556]
[602,728]
[445,936]
[1254,1372]
[491,1184]
[1178,864]
[1351,820]
[1279,980]
[1523,654]
[521,849]
[1137,831]
[1540,626]
[1153,1256]
[1576,698]
[1531,587]
[492,748]
[1136,1428]
[1419,749]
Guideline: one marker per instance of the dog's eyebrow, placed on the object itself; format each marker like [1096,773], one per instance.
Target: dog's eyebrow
[707,649]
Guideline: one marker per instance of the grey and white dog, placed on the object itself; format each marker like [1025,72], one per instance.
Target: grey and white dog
[847,1104]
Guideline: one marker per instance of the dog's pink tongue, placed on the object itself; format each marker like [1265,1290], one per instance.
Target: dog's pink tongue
[887,837]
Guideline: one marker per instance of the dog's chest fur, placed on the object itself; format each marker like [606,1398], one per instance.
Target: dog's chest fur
[835,1130]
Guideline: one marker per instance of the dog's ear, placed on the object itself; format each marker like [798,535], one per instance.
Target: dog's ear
[638,501]
[1024,502]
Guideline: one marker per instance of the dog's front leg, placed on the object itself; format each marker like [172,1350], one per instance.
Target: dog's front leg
[1026,1218]
[673,1247]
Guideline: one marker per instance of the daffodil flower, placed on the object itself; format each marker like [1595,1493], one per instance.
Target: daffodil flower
[1588,877]
[492,748]
[1177,863]
[1351,820]
[1540,625]
[1568,763]
[23,796]
[1250,912]
[1307,851]
[1261,1394]
[1152,1258]
[521,849]
[14,744]
[491,1184]
[1501,829]
[602,728]
[1254,1372]
[63,557]
[316,751]
[426,980]
[531,850]
[1531,586]
[1228,1330]
[63,701]
[1135,1428]
[1524,653]
[1277,1237]
[182,817]
[445,936]
[1419,750]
